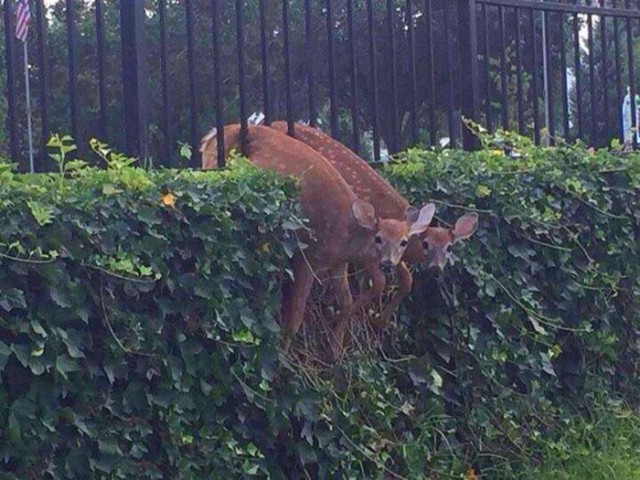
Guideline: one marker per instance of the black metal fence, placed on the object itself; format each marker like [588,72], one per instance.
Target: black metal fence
[380,75]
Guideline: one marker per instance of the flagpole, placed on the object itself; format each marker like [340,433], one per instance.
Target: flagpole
[28,95]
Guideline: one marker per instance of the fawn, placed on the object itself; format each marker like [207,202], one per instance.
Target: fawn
[432,247]
[347,229]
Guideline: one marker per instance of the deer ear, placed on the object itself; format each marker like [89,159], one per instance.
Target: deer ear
[411,214]
[365,214]
[465,227]
[424,219]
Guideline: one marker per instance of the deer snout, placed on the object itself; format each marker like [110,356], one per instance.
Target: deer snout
[437,264]
[435,270]
[387,266]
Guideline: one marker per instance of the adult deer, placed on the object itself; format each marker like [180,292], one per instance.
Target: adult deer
[346,228]
[432,247]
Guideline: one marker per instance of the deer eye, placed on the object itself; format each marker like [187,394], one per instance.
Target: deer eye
[378,239]
[403,243]
[425,245]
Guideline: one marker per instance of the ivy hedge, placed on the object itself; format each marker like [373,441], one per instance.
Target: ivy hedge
[539,315]
[139,335]
[138,320]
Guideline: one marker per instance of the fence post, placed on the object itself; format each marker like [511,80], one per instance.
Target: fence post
[10,58]
[134,77]
[469,79]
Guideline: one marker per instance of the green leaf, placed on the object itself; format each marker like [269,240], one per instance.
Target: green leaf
[185,151]
[244,336]
[11,299]
[65,365]
[42,213]
[60,296]
[5,352]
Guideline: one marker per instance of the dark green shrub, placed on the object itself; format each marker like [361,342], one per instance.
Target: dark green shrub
[138,320]
[540,312]
[139,336]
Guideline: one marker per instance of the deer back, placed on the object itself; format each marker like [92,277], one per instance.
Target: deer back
[327,199]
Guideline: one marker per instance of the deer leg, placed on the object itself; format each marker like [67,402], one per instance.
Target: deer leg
[405,282]
[378,283]
[295,301]
[340,280]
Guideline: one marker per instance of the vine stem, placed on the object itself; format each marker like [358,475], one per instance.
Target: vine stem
[26,260]
[541,318]
[105,317]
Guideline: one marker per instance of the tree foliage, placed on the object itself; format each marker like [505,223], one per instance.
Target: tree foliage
[307,54]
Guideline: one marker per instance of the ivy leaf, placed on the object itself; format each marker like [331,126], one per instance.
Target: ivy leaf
[5,352]
[244,336]
[65,365]
[43,214]
[12,298]
[536,326]
[59,297]
[110,189]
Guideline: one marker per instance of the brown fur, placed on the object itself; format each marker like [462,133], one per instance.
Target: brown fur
[365,182]
[328,203]
[370,186]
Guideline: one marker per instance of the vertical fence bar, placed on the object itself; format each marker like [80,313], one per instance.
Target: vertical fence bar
[618,56]
[374,79]
[73,68]
[605,67]
[134,76]
[534,80]
[9,29]
[332,71]
[394,145]
[191,62]
[102,84]
[264,60]
[469,69]
[287,66]
[451,93]
[164,73]
[519,89]
[487,67]
[355,143]
[308,27]
[549,112]
[242,91]
[41,25]
[428,16]
[577,63]
[565,85]
[592,79]
[632,79]
[217,82]
[413,73]
[504,74]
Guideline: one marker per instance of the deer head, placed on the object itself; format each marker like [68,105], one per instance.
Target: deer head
[393,236]
[437,242]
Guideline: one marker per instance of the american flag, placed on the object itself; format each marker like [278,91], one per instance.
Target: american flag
[23,19]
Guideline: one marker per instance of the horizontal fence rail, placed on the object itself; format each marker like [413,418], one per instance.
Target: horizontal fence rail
[151,77]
